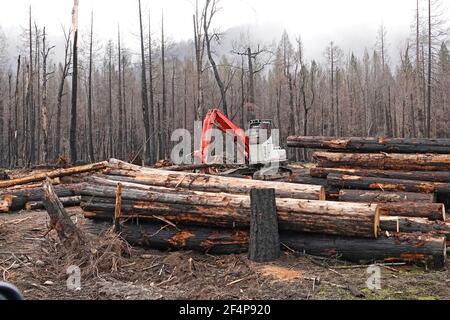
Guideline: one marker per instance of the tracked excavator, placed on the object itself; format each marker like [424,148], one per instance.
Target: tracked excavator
[263,158]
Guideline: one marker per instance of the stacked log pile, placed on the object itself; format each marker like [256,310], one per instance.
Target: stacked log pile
[408,178]
[178,210]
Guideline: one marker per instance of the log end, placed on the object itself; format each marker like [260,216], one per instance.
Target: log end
[376,223]
[323,194]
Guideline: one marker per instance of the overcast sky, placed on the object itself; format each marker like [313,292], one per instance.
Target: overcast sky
[313,19]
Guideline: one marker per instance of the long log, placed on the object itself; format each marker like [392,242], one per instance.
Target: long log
[234,210]
[431,211]
[53,174]
[399,247]
[16,200]
[431,176]
[370,183]
[66,202]
[356,144]
[415,225]
[209,183]
[370,196]
[384,161]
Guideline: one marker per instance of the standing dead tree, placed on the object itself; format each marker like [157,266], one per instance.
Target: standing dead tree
[149,142]
[73,110]
[209,11]
[65,69]
[44,108]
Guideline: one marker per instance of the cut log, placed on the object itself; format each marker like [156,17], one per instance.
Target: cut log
[66,202]
[369,196]
[229,210]
[431,211]
[415,225]
[53,174]
[264,244]
[431,176]
[209,183]
[384,161]
[369,183]
[409,248]
[60,221]
[16,200]
[355,144]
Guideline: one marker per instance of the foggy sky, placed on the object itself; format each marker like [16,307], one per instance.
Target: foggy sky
[318,22]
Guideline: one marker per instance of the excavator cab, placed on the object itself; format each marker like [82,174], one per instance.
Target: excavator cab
[263,150]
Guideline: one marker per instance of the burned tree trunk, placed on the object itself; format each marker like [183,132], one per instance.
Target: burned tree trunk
[125,172]
[264,245]
[53,174]
[66,202]
[385,196]
[431,211]
[230,210]
[384,161]
[431,176]
[392,145]
[369,183]
[415,225]
[409,248]
[60,221]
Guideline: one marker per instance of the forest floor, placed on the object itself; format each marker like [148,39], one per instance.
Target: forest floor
[27,259]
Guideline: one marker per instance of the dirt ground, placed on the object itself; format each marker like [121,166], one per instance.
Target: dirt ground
[27,259]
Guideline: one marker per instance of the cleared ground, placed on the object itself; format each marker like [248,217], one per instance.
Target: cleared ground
[28,260]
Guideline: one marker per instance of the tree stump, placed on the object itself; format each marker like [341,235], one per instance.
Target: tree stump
[264,243]
[60,221]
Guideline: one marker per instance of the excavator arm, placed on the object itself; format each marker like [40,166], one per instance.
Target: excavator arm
[216,118]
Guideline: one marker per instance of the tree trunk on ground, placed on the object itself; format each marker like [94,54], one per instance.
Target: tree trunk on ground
[354,144]
[431,211]
[210,183]
[229,210]
[16,200]
[385,196]
[53,174]
[369,183]
[432,176]
[410,248]
[66,202]
[264,244]
[415,225]
[384,161]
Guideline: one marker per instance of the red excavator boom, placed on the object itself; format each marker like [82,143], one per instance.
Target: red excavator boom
[215,117]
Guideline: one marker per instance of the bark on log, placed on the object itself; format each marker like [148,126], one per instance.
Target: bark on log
[228,210]
[264,244]
[355,144]
[415,225]
[16,200]
[384,161]
[431,211]
[369,196]
[431,176]
[53,174]
[60,221]
[409,248]
[209,183]
[3,176]
[369,183]
[66,202]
